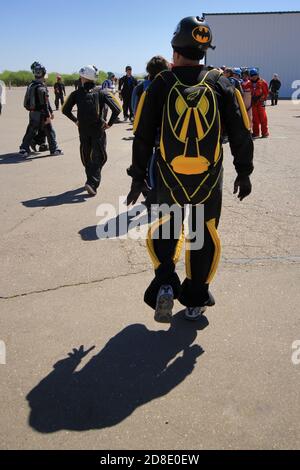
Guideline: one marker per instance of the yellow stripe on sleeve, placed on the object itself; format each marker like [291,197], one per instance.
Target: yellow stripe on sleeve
[243,109]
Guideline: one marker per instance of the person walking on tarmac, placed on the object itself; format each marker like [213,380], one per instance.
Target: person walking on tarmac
[90,101]
[59,91]
[190,105]
[126,87]
[275,85]
[260,93]
[36,101]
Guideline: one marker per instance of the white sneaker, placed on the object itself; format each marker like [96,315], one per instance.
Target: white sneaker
[194,313]
[164,305]
[90,190]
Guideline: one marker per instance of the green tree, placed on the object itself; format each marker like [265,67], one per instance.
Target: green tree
[24,77]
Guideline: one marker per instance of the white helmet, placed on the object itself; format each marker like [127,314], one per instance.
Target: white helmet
[90,72]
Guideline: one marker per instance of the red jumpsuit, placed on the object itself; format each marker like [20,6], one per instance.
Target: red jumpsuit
[260,92]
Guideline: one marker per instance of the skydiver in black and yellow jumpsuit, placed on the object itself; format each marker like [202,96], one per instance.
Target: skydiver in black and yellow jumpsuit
[91,101]
[190,42]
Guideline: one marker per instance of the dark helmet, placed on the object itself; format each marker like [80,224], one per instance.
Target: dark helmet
[254,72]
[193,36]
[34,65]
[38,70]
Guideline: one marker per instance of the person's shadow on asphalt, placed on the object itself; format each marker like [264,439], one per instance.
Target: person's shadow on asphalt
[69,197]
[134,368]
[15,158]
[117,226]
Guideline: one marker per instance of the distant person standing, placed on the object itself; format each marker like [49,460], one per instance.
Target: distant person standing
[247,96]
[155,65]
[232,75]
[126,86]
[259,92]
[40,138]
[109,85]
[275,85]
[36,101]
[59,91]
[77,84]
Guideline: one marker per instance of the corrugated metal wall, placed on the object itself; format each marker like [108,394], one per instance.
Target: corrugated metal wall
[269,41]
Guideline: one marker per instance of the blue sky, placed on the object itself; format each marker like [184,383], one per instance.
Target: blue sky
[66,34]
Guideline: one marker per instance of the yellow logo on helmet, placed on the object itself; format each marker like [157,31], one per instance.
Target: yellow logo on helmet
[202,34]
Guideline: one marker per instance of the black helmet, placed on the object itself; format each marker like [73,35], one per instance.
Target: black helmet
[38,70]
[192,37]
[34,65]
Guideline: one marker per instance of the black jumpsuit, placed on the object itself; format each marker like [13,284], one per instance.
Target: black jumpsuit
[201,264]
[60,92]
[37,127]
[92,135]
[275,85]
[126,87]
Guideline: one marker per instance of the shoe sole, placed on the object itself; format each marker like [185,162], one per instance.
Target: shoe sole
[163,312]
[195,318]
[90,190]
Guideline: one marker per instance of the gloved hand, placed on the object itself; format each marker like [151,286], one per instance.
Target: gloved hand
[137,187]
[243,187]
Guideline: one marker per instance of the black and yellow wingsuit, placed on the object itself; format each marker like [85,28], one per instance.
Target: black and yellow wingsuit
[190,106]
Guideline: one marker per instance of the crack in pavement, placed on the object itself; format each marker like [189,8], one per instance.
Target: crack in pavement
[33,214]
[292,259]
[225,261]
[66,286]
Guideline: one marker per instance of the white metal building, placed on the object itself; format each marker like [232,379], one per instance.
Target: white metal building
[270,41]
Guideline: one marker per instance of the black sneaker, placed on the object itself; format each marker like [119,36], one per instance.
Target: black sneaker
[57,153]
[33,148]
[24,153]
[43,148]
